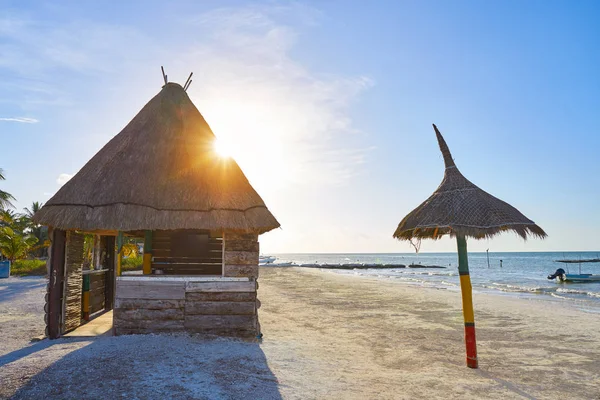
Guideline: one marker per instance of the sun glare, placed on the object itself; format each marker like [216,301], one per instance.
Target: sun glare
[222,148]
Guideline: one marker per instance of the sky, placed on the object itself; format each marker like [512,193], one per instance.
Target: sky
[327,105]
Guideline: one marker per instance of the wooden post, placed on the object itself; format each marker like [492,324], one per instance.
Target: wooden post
[110,274]
[55,285]
[119,252]
[467,300]
[147,265]
[86,297]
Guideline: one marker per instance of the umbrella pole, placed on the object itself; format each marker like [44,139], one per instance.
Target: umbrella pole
[467,300]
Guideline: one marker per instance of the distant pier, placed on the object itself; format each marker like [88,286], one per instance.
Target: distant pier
[353,266]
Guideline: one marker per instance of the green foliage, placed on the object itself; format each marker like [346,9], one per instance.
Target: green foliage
[132,263]
[20,236]
[15,245]
[28,267]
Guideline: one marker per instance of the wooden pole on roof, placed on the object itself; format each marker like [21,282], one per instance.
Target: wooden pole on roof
[188,81]
[164,75]
[467,300]
[147,261]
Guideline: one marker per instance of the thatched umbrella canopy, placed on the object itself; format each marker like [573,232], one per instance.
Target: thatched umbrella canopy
[460,209]
[160,172]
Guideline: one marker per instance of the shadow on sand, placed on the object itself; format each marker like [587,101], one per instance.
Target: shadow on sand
[16,286]
[148,367]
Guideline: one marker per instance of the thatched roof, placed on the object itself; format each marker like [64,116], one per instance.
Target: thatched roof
[160,172]
[458,207]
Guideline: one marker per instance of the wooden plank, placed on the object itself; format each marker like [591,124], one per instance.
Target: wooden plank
[210,259]
[96,302]
[141,280]
[166,246]
[241,257]
[242,245]
[249,286]
[133,304]
[168,325]
[208,322]
[144,331]
[186,265]
[220,296]
[190,273]
[161,252]
[220,308]
[97,285]
[210,247]
[151,315]
[95,307]
[150,290]
[250,271]
[191,269]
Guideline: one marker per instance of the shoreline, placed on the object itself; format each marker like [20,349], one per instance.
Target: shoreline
[591,303]
[517,297]
[579,296]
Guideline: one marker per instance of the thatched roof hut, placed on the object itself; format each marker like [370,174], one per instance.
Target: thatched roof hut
[458,207]
[160,172]
[159,179]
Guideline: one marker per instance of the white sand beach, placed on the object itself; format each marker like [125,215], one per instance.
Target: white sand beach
[328,336]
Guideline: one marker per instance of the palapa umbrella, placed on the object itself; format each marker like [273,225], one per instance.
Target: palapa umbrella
[459,208]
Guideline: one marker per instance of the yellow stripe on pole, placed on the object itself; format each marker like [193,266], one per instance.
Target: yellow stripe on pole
[467,298]
[119,262]
[86,302]
[147,264]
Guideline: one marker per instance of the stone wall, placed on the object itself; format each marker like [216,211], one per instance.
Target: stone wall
[73,281]
[240,255]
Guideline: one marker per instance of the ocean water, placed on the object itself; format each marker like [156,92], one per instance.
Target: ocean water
[521,274]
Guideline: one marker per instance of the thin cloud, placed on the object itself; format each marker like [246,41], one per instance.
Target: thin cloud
[23,120]
[63,178]
[301,116]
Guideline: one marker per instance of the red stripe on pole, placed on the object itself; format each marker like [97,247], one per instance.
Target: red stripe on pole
[471,347]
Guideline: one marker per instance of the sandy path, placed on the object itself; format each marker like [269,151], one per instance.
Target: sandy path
[21,311]
[333,337]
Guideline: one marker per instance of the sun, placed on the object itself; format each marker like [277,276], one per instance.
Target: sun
[222,148]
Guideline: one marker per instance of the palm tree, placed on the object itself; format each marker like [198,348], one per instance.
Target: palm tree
[5,197]
[35,207]
[14,245]
[40,232]
[8,217]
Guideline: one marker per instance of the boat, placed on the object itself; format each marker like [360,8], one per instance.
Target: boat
[563,276]
[266,259]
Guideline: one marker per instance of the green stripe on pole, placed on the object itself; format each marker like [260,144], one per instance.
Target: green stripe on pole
[463,262]
[120,240]
[148,242]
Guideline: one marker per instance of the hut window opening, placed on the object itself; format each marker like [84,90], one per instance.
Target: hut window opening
[187,252]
